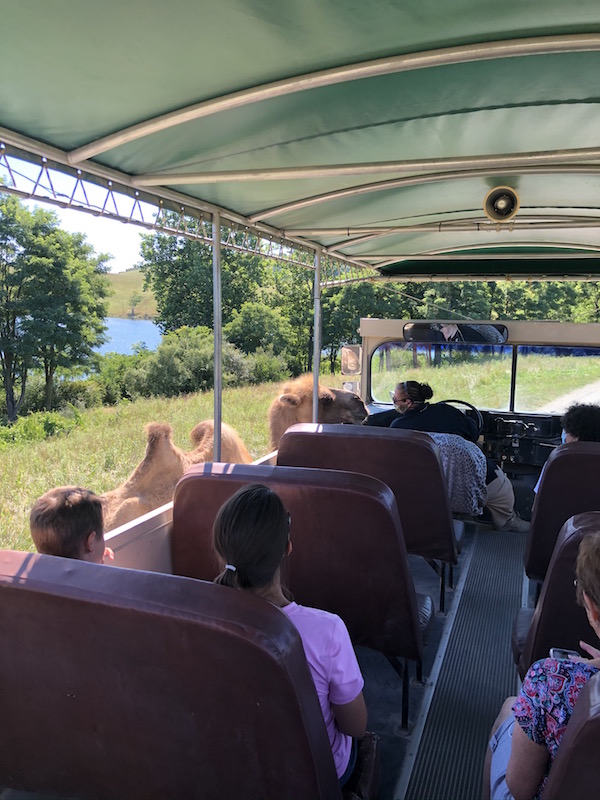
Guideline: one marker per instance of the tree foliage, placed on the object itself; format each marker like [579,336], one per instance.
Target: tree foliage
[293,297]
[184,363]
[258,325]
[179,272]
[52,293]
[343,308]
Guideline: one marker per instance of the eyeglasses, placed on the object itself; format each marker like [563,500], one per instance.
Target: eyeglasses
[289,520]
[400,399]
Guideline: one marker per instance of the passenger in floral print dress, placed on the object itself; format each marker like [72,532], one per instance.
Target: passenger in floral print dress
[529,728]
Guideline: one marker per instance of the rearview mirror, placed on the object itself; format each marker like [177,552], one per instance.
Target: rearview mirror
[469,333]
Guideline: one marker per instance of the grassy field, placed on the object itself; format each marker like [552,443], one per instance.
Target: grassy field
[124,285]
[102,453]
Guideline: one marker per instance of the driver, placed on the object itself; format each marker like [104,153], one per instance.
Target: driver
[410,401]
[416,414]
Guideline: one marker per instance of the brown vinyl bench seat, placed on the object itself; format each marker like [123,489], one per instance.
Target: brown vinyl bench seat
[557,620]
[407,461]
[119,683]
[569,486]
[349,555]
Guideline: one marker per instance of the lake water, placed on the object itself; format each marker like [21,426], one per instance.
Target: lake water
[124,333]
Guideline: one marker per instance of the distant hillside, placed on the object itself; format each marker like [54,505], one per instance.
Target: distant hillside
[125,285]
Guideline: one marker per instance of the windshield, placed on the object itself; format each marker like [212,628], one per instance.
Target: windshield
[479,374]
[548,379]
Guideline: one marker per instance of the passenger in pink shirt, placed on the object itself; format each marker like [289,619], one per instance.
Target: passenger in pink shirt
[252,537]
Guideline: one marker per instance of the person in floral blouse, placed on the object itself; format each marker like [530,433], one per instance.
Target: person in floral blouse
[529,728]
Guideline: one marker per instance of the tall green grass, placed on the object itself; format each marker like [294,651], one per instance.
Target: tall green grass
[108,444]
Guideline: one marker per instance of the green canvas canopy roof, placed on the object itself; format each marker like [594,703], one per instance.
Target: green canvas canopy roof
[373,130]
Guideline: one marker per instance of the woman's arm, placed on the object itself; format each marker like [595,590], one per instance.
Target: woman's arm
[526,766]
[351,718]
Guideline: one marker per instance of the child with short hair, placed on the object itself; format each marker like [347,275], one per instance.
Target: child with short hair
[67,521]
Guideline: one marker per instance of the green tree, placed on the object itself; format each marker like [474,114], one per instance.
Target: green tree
[68,304]
[293,296]
[15,355]
[455,300]
[343,308]
[52,292]
[257,325]
[184,363]
[179,272]
[134,301]
[587,308]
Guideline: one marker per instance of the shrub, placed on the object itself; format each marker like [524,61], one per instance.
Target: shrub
[113,374]
[34,394]
[255,326]
[39,426]
[265,367]
[184,363]
[80,392]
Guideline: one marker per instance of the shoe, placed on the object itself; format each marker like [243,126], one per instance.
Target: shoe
[515,523]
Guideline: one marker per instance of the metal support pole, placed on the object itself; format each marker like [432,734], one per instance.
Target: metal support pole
[513,380]
[316,336]
[217,333]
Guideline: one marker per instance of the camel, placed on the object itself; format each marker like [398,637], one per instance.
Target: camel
[294,404]
[153,481]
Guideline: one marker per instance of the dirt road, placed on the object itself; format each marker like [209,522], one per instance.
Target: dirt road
[586,394]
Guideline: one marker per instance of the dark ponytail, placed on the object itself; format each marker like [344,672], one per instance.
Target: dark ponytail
[250,536]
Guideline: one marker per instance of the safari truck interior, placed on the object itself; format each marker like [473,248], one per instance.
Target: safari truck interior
[382,141]
[506,375]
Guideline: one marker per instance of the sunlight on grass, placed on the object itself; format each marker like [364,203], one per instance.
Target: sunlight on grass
[103,452]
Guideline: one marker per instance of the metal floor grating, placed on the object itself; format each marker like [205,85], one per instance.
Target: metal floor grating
[477,674]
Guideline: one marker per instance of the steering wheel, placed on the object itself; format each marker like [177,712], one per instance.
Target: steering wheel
[477,412]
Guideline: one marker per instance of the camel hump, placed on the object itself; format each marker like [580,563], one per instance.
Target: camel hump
[203,432]
[155,430]
[233,448]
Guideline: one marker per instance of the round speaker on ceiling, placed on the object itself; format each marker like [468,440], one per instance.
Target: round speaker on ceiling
[501,204]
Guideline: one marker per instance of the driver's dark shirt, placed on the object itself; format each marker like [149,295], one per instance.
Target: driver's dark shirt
[437,418]
[442,418]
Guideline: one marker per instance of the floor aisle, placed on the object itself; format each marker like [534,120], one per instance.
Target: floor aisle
[477,673]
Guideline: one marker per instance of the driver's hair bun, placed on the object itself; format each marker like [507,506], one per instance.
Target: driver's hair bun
[418,392]
[426,391]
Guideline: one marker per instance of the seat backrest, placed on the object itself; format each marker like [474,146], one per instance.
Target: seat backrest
[348,556]
[558,621]
[120,683]
[575,771]
[569,486]
[407,461]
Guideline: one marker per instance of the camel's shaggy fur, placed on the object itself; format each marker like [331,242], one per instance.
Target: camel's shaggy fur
[153,481]
[294,404]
